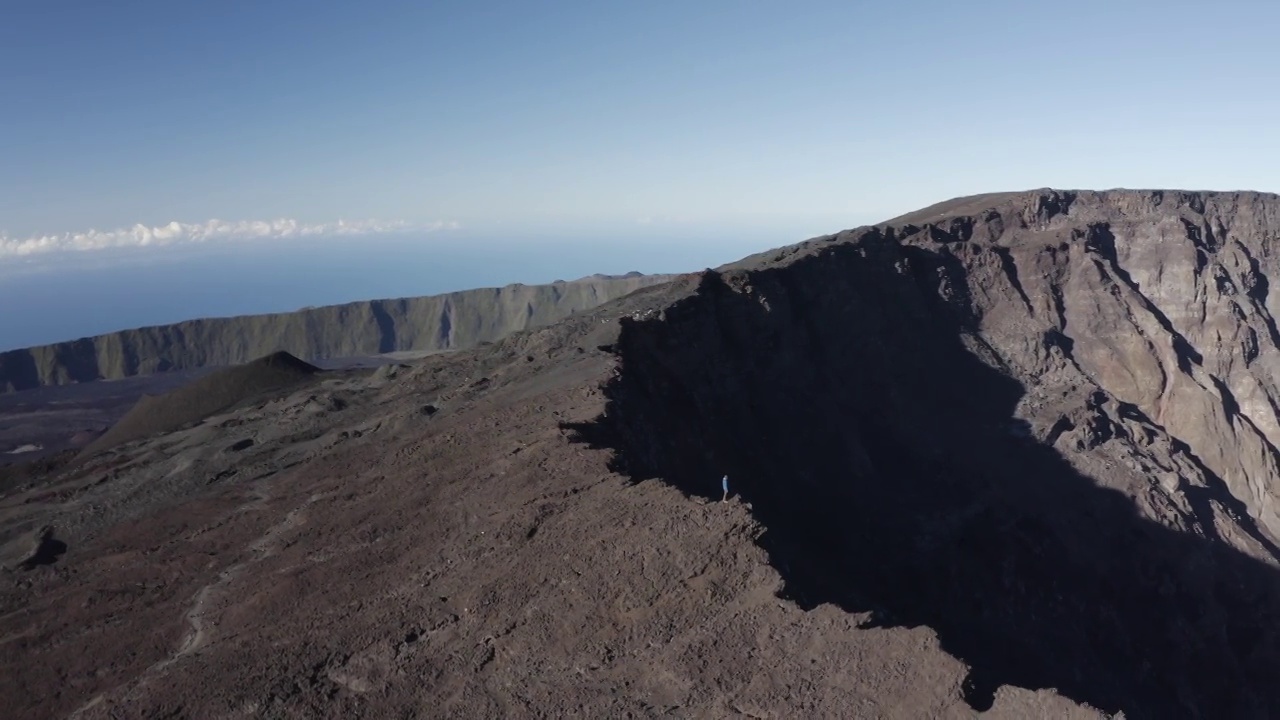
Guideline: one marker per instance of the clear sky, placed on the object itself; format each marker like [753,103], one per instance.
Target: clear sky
[569,118]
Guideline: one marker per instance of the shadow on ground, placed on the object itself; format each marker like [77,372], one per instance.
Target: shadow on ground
[876,450]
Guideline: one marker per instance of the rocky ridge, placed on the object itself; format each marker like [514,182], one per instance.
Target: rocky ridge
[1010,455]
[1043,424]
[376,327]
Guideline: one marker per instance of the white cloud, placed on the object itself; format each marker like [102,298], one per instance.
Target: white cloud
[176,233]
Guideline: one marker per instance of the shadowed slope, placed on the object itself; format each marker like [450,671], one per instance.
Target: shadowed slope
[925,436]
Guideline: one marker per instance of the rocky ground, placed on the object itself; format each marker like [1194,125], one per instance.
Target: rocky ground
[437,547]
[1007,457]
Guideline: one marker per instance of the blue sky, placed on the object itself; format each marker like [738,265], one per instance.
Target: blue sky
[616,121]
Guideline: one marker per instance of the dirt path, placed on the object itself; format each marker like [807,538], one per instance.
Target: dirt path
[214,593]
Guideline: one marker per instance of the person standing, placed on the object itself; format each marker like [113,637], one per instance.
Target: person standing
[724,485]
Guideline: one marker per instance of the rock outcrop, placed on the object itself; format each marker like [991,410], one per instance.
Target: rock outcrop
[1043,424]
[438,322]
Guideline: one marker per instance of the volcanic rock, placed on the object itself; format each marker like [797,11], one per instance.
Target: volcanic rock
[1012,455]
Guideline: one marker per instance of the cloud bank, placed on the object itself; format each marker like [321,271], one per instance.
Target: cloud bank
[177,233]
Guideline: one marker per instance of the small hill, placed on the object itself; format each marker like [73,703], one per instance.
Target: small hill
[212,393]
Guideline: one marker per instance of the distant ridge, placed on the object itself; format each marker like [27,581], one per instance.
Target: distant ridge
[438,322]
[205,396]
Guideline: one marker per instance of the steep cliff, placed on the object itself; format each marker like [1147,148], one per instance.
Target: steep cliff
[438,322]
[1043,424]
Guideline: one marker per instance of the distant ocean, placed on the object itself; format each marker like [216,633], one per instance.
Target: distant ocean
[81,294]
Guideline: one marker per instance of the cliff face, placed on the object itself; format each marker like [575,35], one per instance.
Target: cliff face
[1044,424]
[1012,452]
[439,322]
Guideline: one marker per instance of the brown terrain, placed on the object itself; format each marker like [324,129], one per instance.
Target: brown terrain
[1010,456]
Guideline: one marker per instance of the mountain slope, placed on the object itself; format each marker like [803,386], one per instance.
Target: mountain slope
[1042,424]
[437,322]
[431,546]
[992,458]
